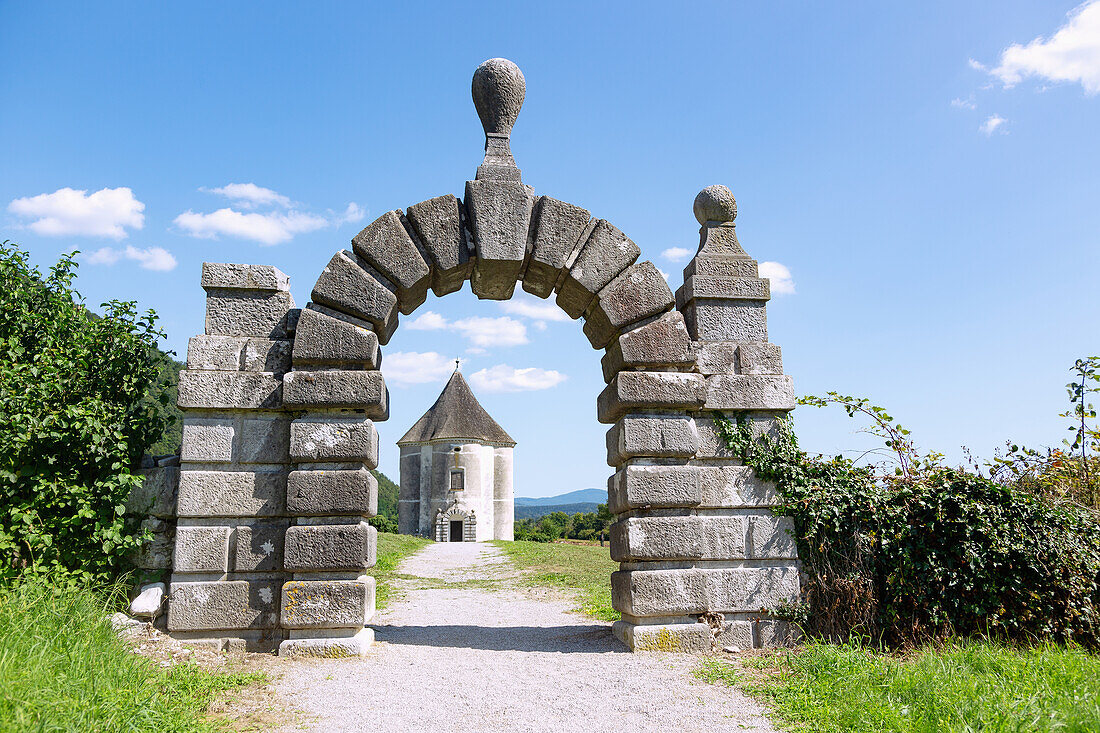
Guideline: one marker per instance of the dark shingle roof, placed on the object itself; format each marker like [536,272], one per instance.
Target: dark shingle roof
[456,414]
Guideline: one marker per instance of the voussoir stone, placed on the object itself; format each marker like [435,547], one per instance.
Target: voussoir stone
[651,436]
[330,547]
[318,439]
[233,604]
[352,286]
[243,277]
[605,254]
[387,246]
[678,538]
[636,391]
[639,292]
[325,492]
[231,493]
[327,604]
[438,225]
[334,388]
[322,339]
[643,593]
[663,342]
[200,389]
[644,486]
[557,236]
[500,215]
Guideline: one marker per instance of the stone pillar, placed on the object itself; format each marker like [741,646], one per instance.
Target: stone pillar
[228,561]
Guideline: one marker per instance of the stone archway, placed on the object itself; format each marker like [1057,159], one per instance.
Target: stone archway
[694,535]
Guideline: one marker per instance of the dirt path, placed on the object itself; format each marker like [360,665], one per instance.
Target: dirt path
[465,648]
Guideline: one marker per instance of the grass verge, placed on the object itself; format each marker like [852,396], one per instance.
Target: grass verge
[391,549]
[63,668]
[584,568]
[965,686]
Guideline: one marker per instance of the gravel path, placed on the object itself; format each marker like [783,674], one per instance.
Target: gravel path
[465,648]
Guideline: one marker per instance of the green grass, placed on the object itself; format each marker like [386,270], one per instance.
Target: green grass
[977,686]
[62,668]
[584,568]
[391,549]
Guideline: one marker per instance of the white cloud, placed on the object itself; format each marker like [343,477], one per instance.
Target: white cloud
[976,65]
[150,258]
[353,214]
[780,276]
[529,306]
[964,103]
[427,321]
[403,368]
[664,274]
[486,332]
[249,195]
[103,256]
[270,228]
[992,124]
[676,254]
[504,378]
[1072,54]
[108,212]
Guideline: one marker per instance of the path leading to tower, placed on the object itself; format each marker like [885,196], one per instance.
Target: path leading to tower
[466,648]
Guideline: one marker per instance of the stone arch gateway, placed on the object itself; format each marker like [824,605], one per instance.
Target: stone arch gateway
[272,544]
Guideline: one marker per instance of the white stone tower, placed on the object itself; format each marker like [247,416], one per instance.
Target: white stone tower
[456,471]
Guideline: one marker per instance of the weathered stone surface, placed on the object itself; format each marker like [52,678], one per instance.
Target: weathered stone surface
[498,89]
[231,494]
[259,546]
[328,647]
[330,547]
[266,355]
[726,320]
[500,215]
[715,204]
[156,552]
[698,590]
[438,224]
[722,266]
[772,633]
[321,492]
[750,392]
[696,638]
[639,292]
[243,277]
[350,285]
[662,342]
[202,549]
[658,436]
[247,313]
[634,487]
[322,339]
[636,391]
[727,288]
[334,439]
[771,537]
[228,390]
[207,439]
[759,358]
[678,538]
[557,236]
[387,246]
[264,440]
[335,388]
[716,357]
[149,602]
[234,604]
[215,352]
[729,486]
[327,604]
[156,495]
[606,253]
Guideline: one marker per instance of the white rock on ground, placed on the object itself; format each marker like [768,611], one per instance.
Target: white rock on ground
[148,602]
[504,658]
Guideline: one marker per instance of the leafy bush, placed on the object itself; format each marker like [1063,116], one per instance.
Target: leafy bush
[559,525]
[78,410]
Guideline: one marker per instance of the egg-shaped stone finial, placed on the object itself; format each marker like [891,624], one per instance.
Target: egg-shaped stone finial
[716,204]
[498,89]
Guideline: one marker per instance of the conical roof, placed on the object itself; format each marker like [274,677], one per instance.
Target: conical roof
[456,414]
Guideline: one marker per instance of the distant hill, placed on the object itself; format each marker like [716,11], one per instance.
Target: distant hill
[582,496]
[534,512]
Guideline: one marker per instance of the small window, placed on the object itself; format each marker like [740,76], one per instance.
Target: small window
[458,480]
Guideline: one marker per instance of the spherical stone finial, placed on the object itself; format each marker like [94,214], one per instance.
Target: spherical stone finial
[715,203]
[498,89]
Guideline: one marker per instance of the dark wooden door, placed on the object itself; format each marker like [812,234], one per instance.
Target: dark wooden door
[456,531]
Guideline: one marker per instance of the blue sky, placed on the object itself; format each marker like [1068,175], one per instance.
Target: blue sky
[928,176]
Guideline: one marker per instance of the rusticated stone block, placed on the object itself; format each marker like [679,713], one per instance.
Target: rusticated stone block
[750,392]
[228,390]
[639,292]
[319,439]
[716,357]
[207,439]
[327,604]
[696,638]
[606,253]
[388,247]
[759,358]
[258,546]
[771,537]
[636,391]
[727,288]
[265,440]
[234,604]
[656,436]
[726,320]
[156,495]
[247,313]
[698,590]
[722,266]
[266,355]
[678,538]
[327,645]
[344,491]
[338,389]
[231,494]
[243,277]
[557,236]
[222,353]
[322,339]
[729,486]
[500,215]
[662,342]
[202,549]
[350,285]
[634,487]
[438,224]
[330,547]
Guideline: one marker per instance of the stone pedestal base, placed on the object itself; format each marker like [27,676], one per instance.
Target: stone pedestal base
[332,643]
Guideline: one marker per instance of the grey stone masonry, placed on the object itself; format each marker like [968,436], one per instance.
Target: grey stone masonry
[323,340]
[639,292]
[327,604]
[388,246]
[216,275]
[334,491]
[499,215]
[638,391]
[438,224]
[605,254]
[334,388]
[330,547]
[654,486]
[679,592]
[320,438]
[558,233]
[651,436]
[350,285]
[662,343]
